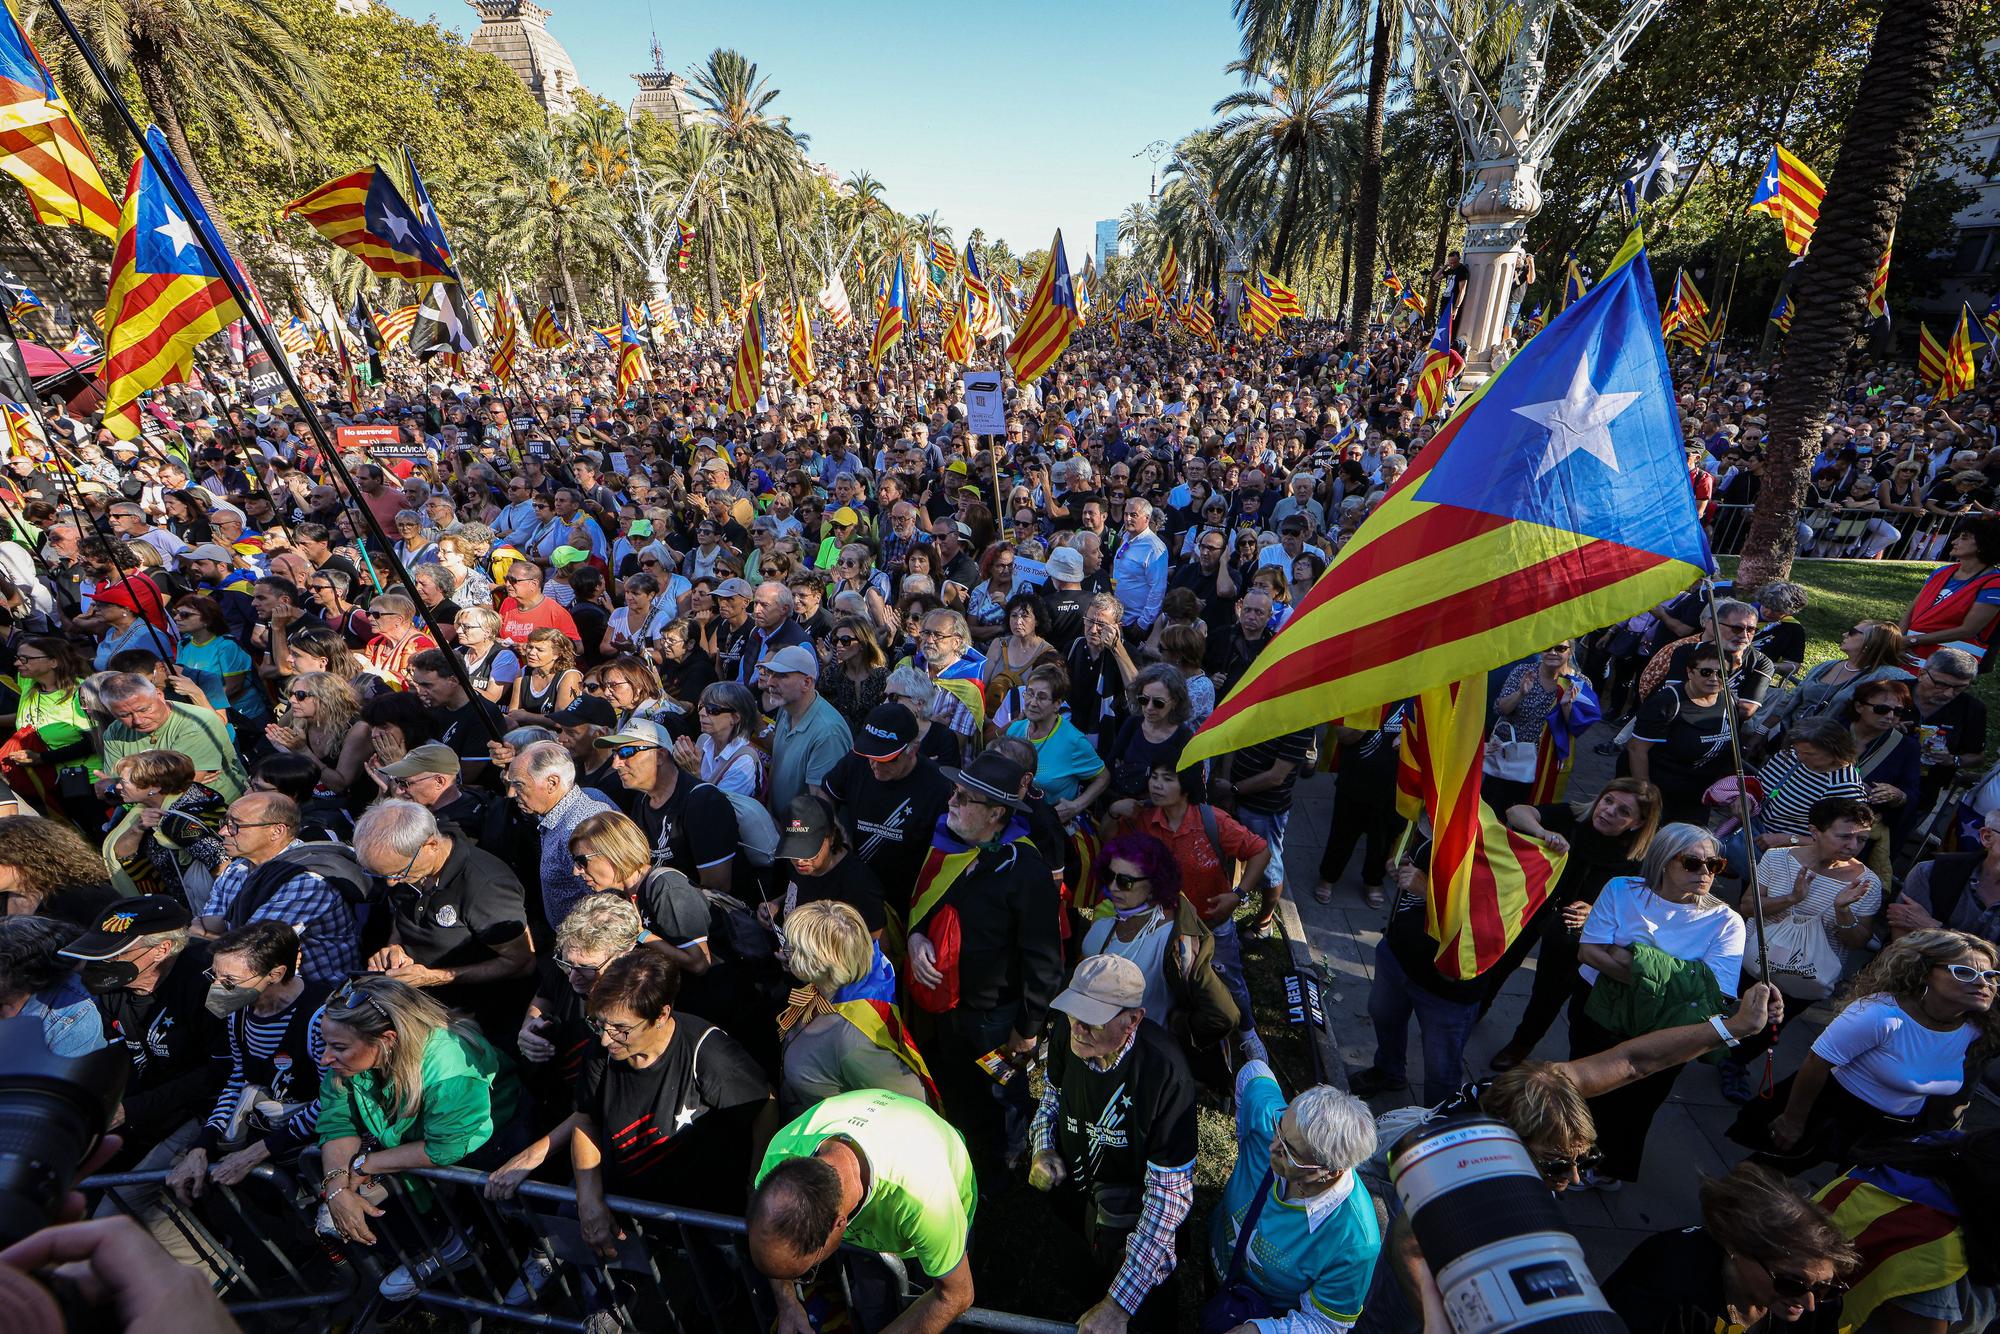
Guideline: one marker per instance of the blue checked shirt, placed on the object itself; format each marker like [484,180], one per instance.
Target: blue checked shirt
[329,940]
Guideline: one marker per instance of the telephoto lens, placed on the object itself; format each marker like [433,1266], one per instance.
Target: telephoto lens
[1490,1231]
[52,1109]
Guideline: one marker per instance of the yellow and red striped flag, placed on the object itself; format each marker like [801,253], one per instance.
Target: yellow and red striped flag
[366,215]
[1170,270]
[889,307]
[1791,192]
[1930,356]
[394,326]
[1485,880]
[746,373]
[1878,286]
[699,315]
[1959,367]
[1908,1229]
[944,256]
[548,333]
[686,247]
[43,147]
[833,300]
[957,345]
[631,356]
[1260,312]
[800,354]
[1283,297]
[985,310]
[1783,310]
[506,333]
[1048,322]
[166,294]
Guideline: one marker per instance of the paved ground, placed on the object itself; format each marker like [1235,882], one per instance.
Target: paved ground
[1687,1141]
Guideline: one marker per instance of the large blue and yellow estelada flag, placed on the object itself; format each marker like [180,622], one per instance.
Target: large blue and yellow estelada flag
[1550,505]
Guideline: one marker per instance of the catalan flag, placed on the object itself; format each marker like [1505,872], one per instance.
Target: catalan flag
[506,334]
[1390,280]
[1485,880]
[1908,1230]
[1200,316]
[746,373]
[295,338]
[41,145]
[985,310]
[799,356]
[659,313]
[608,334]
[943,256]
[1791,192]
[548,333]
[1782,311]
[1170,270]
[1574,284]
[1535,513]
[698,315]
[1960,370]
[1687,322]
[1260,312]
[686,248]
[166,294]
[1435,372]
[1878,286]
[366,215]
[631,357]
[394,326]
[1283,297]
[427,214]
[889,308]
[1415,300]
[1048,322]
[22,300]
[1930,357]
[81,344]
[833,300]
[957,347]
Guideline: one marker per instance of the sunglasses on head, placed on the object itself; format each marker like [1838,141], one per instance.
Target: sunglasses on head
[1690,862]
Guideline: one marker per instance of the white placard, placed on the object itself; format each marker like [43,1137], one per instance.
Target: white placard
[985,412]
[1030,571]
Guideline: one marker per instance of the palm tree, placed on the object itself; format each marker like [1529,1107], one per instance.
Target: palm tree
[1864,196]
[602,141]
[545,200]
[764,148]
[236,67]
[696,156]
[1287,127]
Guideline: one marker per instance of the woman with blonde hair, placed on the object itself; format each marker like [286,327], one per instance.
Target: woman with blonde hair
[48,870]
[1892,1061]
[490,663]
[458,553]
[842,1031]
[611,855]
[551,679]
[322,721]
[166,842]
[408,1084]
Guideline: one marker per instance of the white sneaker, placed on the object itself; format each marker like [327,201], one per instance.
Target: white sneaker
[535,1276]
[406,1281]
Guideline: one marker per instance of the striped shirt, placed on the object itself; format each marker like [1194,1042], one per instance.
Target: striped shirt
[258,1055]
[1791,790]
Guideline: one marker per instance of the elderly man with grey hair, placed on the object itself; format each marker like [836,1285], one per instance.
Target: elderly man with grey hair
[1950,719]
[460,915]
[541,779]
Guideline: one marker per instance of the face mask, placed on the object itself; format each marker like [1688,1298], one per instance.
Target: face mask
[223,1001]
[101,976]
[1126,914]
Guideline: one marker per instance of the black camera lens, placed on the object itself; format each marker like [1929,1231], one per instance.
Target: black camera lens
[52,1109]
[1490,1231]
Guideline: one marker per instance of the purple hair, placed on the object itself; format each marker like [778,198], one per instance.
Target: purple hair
[1154,861]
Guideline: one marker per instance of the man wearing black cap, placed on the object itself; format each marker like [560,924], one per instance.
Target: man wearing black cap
[458,713]
[822,865]
[146,974]
[579,724]
[985,954]
[889,799]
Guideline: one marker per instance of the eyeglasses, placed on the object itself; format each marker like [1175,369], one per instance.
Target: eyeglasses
[1559,1168]
[1794,1287]
[845,640]
[1966,973]
[1124,881]
[616,1032]
[1857,629]
[1701,865]
[1740,627]
[1155,702]
[627,752]
[1891,710]
[230,824]
[352,997]
[1943,683]
[1714,673]
[1291,1155]
[574,969]
[298,694]
[596,688]
[580,863]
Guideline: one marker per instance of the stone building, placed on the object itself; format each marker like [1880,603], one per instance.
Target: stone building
[516,33]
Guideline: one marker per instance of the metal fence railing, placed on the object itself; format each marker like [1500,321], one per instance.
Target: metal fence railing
[1844,534]
[680,1269]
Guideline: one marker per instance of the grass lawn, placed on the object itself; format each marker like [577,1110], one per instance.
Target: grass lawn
[1841,592]
[1023,1256]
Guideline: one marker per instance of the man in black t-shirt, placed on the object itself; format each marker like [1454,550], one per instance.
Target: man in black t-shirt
[1068,600]
[690,824]
[1117,1118]
[823,867]
[889,800]
[458,714]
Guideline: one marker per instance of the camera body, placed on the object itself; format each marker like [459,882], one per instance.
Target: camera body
[52,1109]
[1489,1229]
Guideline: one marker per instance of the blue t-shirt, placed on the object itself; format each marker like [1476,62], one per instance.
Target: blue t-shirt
[1064,759]
[208,664]
[1305,1255]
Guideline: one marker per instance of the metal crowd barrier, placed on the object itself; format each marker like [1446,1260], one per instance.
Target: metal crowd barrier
[680,1269]
[1844,534]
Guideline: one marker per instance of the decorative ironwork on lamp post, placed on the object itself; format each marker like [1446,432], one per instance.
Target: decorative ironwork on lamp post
[1238,243]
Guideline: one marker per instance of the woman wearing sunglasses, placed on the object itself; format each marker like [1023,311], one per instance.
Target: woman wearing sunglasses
[1649,937]
[1897,1052]
[1680,740]
[1890,763]
[1764,1255]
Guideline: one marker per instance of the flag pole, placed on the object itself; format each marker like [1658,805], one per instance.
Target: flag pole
[253,315]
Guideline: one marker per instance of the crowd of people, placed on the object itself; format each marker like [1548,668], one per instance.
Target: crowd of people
[784,815]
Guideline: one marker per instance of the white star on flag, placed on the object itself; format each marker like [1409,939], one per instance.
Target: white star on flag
[395,227]
[178,230]
[1577,421]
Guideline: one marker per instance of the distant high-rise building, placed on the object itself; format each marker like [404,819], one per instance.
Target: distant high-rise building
[1107,241]
[516,33]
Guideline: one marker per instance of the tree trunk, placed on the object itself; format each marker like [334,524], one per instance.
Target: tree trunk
[1863,199]
[1368,203]
[1443,246]
[1346,256]
[714,279]
[784,251]
[569,289]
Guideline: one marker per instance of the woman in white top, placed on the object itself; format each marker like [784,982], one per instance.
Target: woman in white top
[1669,906]
[725,755]
[1898,1047]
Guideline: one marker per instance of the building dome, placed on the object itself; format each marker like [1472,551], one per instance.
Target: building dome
[515,32]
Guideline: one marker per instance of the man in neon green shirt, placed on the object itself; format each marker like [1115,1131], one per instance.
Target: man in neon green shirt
[883,1172]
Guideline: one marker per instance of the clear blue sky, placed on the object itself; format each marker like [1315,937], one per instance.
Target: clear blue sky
[1028,126]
